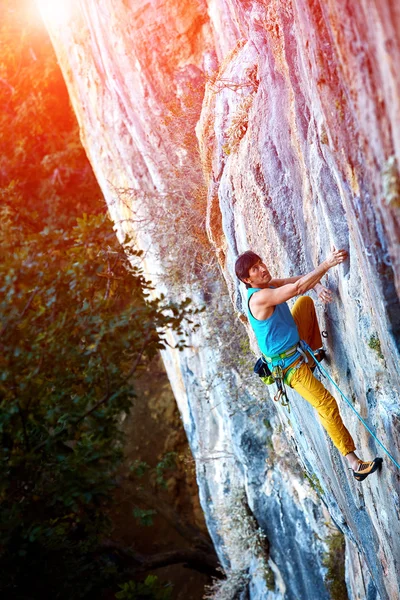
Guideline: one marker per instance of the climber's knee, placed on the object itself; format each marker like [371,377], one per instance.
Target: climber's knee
[303,303]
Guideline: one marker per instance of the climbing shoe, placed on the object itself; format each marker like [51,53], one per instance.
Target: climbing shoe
[366,468]
[319,354]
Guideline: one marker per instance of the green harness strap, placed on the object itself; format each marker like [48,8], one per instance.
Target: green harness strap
[288,352]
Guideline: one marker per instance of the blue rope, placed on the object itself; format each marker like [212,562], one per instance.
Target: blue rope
[325,372]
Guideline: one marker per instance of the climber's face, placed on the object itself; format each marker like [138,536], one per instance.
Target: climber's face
[259,276]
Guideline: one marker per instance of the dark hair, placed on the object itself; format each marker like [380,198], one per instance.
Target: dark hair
[244,263]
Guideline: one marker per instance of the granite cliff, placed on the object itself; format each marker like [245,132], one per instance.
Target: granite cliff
[296,109]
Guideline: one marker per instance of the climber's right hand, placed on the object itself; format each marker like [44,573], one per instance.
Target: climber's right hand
[336,257]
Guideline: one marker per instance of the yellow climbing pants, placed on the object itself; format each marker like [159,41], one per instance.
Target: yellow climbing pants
[310,388]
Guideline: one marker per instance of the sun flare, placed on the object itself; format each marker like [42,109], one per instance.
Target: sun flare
[55,12]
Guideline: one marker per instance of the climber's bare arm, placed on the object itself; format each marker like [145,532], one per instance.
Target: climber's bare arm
[323,293]
[280,282]
[262,303]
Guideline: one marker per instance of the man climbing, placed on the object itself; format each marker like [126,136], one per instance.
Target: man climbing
[279,331]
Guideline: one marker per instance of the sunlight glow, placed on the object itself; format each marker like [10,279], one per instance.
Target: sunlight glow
[55,12]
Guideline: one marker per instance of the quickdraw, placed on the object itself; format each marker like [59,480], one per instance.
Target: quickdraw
[277,376]
[281,395]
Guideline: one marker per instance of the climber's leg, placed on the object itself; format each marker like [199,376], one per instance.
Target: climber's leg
[312,390]
[305,317]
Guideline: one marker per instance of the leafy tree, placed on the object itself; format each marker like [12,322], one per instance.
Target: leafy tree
[77,320]
[150,588]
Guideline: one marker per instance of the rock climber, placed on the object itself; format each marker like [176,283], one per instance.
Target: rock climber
[279,330]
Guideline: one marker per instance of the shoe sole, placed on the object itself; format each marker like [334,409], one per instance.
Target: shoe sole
[377,464]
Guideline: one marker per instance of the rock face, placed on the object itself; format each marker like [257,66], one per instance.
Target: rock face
[297,105]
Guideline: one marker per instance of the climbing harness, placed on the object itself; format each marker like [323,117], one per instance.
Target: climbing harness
[325,372]
[278,375]
[261,368]
[286,354]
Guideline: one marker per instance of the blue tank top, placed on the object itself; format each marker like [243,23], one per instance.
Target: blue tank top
[276,334]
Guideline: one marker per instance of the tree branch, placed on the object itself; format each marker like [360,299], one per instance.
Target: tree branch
[109,275]
[138,359]
[106,395]
[184,528]
[95,407]
[23,420]
[89,412]
[26,307]
[201,561]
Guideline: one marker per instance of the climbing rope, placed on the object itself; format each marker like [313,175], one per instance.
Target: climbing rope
[325,372]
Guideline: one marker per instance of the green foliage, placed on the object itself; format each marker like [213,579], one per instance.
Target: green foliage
[314,483]
[145,517]
[139,468]
[77,321]
[334,561]
[375,344]
[150,589]
[267,424]
[269,578]
[167,463]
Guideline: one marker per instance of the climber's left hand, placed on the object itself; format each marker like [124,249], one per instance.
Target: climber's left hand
[323,293]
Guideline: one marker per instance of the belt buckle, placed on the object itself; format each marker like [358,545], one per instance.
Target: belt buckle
[277,372]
